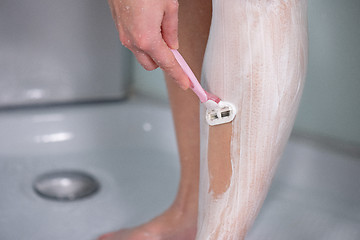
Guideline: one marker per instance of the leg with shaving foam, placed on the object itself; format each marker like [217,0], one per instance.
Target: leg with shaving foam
[256,59]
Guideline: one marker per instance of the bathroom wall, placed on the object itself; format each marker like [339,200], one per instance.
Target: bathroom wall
[330,105]
[59,51]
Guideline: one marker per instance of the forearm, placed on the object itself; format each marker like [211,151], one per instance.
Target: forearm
[256,58]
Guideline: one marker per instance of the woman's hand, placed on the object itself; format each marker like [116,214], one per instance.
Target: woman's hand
[149,29]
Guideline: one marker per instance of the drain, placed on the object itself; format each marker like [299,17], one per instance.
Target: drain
[65,185]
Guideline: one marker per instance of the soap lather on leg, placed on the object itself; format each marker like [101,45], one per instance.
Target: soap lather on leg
[256,58]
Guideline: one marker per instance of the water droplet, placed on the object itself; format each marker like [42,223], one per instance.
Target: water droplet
[147,127]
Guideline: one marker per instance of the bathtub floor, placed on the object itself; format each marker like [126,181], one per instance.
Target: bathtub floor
[314,196]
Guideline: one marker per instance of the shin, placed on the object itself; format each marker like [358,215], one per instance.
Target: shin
[256,58]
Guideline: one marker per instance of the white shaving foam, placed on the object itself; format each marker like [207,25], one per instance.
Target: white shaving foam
[256,58]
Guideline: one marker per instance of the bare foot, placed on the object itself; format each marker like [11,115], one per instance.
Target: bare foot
[171,225]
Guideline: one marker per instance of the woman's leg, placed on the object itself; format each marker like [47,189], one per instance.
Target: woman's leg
[256,58]
[185,104]
[179,221]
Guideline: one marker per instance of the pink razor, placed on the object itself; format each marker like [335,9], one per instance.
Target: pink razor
[217,111]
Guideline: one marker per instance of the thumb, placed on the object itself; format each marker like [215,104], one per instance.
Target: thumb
[169,25]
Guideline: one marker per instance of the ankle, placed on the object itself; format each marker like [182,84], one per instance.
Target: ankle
[185,207]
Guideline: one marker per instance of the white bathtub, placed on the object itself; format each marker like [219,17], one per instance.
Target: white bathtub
[129,147]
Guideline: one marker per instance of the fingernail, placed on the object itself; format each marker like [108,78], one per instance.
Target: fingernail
[184,86]
[175,46]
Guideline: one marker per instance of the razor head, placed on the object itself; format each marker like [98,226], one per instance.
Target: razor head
[224,112]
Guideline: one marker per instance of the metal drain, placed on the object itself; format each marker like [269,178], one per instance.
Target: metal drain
[65,185]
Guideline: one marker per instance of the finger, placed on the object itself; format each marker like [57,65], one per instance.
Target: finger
[142,57]
[145,60]
[169,25]
[152,43]
[165,59]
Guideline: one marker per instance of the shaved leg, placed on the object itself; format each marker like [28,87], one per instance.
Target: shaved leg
[256,59]
[220,172]
[180,220]
[185,104]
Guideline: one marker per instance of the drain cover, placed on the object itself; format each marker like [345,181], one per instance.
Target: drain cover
[65,185]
